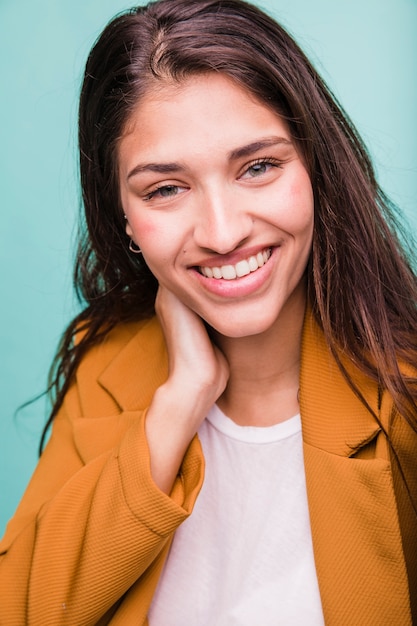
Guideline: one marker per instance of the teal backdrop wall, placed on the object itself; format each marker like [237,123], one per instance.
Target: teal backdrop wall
[365,49]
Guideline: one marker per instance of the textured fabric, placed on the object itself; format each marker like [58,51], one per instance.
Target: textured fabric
[88,541]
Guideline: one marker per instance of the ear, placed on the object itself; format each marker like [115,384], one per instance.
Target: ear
[129,231]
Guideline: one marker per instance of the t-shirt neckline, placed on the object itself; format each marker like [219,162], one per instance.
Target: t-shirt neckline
[253,434]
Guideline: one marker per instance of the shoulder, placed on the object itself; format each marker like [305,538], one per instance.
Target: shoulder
[133,336]
[125,367]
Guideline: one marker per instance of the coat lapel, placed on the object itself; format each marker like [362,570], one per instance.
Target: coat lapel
[355,529]
[138,369]
[129,366]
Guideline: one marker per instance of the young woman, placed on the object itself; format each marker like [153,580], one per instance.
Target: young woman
[246,455]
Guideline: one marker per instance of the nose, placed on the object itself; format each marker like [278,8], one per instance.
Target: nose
[222,223]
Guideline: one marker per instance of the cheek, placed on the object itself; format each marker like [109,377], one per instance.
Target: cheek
[292,209]
[157,242]
[301,203]
[147,233]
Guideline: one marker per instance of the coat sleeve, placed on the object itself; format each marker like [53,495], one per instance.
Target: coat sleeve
[85,531]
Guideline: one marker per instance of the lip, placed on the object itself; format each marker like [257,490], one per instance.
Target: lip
[238,287]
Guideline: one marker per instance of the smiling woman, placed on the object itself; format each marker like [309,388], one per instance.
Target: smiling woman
[235,423]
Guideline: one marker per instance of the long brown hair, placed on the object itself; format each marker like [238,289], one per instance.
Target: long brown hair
[362,288]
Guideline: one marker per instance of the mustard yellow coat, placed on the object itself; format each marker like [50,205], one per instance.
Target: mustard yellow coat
[89,539]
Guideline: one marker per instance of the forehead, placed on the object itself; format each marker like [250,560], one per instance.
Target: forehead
[168,90]
[204,112]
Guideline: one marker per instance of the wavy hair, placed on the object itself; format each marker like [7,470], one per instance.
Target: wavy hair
[361,283]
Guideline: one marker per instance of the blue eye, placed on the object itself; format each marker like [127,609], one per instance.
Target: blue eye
[258,168]
[168,191]
[165,191]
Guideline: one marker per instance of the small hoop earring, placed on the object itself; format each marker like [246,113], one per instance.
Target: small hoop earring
[134,248]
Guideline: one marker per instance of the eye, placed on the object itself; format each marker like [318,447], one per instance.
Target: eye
[259,168]
[165,191]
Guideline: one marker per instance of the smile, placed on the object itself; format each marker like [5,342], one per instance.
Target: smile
[242,268]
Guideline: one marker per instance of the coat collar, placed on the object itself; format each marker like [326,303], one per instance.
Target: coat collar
[345,424]
[139,368]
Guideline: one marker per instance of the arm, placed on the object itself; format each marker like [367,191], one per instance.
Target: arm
[198,374]
[95,537]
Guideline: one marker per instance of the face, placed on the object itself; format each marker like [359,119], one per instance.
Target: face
[220,203]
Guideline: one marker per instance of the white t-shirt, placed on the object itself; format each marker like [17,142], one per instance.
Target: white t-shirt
[244,556]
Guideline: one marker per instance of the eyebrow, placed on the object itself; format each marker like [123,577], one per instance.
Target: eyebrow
[255,146]
[234,155]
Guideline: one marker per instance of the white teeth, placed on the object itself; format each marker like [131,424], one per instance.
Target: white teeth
[228,272]
[242,268]
[260,259]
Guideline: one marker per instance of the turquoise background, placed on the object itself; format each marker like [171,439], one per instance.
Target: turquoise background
[365,49]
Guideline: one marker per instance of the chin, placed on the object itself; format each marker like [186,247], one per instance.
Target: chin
[238,329]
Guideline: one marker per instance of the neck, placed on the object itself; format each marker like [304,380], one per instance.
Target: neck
[264,371]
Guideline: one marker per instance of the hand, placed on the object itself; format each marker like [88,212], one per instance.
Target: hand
[198,375]
[196,365]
